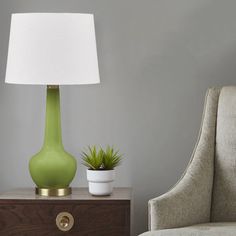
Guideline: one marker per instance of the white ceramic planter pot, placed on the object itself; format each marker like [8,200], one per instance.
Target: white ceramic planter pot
[100,181]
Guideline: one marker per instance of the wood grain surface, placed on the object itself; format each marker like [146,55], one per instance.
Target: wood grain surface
[37,217]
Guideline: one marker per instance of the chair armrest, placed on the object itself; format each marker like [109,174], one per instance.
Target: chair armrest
[189,201]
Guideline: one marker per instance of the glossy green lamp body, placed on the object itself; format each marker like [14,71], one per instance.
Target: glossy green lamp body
[52,168]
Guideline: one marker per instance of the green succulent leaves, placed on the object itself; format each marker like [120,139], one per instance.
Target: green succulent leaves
[100,159]
[111,158]
[93,159]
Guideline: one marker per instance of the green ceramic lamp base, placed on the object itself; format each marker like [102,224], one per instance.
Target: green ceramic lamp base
[52,168]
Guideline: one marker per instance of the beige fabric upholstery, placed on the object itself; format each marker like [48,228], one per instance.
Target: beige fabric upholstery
[207,190]
[208,229]
[189,202]
[224,191]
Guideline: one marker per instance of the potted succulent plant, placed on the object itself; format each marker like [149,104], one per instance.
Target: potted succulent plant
[100,172]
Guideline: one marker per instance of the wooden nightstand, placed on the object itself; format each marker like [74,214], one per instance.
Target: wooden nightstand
[22,213]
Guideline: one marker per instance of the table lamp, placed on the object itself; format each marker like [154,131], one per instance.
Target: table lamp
[52,49]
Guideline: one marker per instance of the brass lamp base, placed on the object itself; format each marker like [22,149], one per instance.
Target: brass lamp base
[53,192]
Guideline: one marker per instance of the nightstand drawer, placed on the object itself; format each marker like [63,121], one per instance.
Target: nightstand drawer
[97,218]
[22,213]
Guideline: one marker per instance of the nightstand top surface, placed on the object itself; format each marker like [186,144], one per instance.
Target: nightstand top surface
[77,194]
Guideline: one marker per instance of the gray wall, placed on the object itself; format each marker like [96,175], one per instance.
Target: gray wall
[156,58]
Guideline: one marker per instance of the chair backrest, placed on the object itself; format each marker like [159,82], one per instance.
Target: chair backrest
[224,183]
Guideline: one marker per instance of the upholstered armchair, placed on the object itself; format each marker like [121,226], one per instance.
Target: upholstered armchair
[203,202]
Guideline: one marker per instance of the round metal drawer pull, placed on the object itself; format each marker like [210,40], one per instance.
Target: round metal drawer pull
[64,221]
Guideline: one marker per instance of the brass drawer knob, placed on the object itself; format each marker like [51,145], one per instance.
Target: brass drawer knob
[64,221]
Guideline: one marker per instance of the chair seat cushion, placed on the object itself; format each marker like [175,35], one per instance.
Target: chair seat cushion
[208,229]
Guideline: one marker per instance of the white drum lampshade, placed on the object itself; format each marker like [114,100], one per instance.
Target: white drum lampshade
[52,49]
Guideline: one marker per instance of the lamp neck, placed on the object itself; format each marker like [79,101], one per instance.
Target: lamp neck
[53,137]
